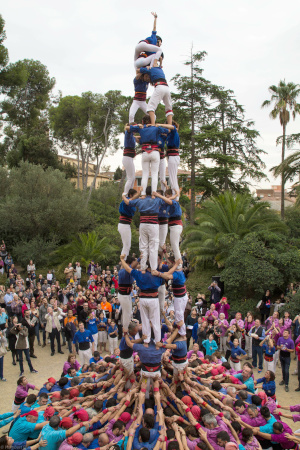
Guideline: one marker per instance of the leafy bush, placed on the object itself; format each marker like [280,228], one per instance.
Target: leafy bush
[199,280]
[37,249]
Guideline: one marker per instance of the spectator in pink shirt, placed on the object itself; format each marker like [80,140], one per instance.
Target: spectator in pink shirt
[211,315]
[238,321]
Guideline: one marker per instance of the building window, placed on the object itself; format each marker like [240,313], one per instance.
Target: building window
[139,181]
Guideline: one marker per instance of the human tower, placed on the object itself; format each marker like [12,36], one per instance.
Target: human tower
[159,209]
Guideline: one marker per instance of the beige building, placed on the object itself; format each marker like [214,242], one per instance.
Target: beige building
[101,177]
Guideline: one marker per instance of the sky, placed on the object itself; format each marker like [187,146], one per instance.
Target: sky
[88,45]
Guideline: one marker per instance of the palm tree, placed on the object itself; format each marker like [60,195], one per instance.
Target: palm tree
[223,221]
[85,248]
[283,98]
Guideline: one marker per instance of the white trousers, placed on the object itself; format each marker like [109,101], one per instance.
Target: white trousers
[173,163]
[144,47]
[269,365]
[163,231]
[150,160]
[95,336]
[162,298]
[113,343]
[162,173]
[161,93]
[85,356]
[235,366]
[276,357]
[179,367]
[126,304]
[175,233]
[179,306]
[135,106]
[150,313]
[128,364]
[125,232]
[248,345]
[223,346]
[148,243]
[128,164]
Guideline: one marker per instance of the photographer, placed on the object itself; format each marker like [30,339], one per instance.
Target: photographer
[22,346]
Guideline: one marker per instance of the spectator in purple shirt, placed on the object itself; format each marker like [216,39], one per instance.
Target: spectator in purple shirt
[286,346]
[223,307]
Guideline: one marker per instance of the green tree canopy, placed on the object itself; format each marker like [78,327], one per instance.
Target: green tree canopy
[284,101]
[261,260]
[40,203]
[222,221]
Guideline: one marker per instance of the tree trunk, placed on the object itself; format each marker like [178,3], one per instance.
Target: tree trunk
[282,175]
[193,159]
[78,169]
[226,182]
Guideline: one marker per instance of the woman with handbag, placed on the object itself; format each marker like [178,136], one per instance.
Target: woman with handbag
[3,351]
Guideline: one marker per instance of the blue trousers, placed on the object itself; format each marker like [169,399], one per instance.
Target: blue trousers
[257,351]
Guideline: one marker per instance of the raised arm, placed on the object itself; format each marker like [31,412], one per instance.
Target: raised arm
[155,18]
[124,264]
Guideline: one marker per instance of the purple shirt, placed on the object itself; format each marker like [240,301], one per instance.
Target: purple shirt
[192,444]
[199,354]
[22,391]
[295,408]
[249,325]
[224,325]
[211,315]
[269,322]
[65,446]
[255,422]
[287,344]
[239,322]
[281,439]
[110,434]
[67,366]
[212,434]
[223,308]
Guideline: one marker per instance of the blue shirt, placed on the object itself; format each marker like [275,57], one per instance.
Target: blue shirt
[180,350]
[248,383]
[152,39]
[268,351]
[126,210]
[173,140]
[3,317]
[174,210]
[22,429]
[236,351]
[148,204]
[86,336]
[92,326]
[93,360]
[53,437]
[8,298]
[149,355]
[163,211]
[129,140]
[140,85]
[178,278]
[146,280]
[268,386]
[210,346]
[113,329]
[155,73]
[125,277]
[151,135]
[268,427]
